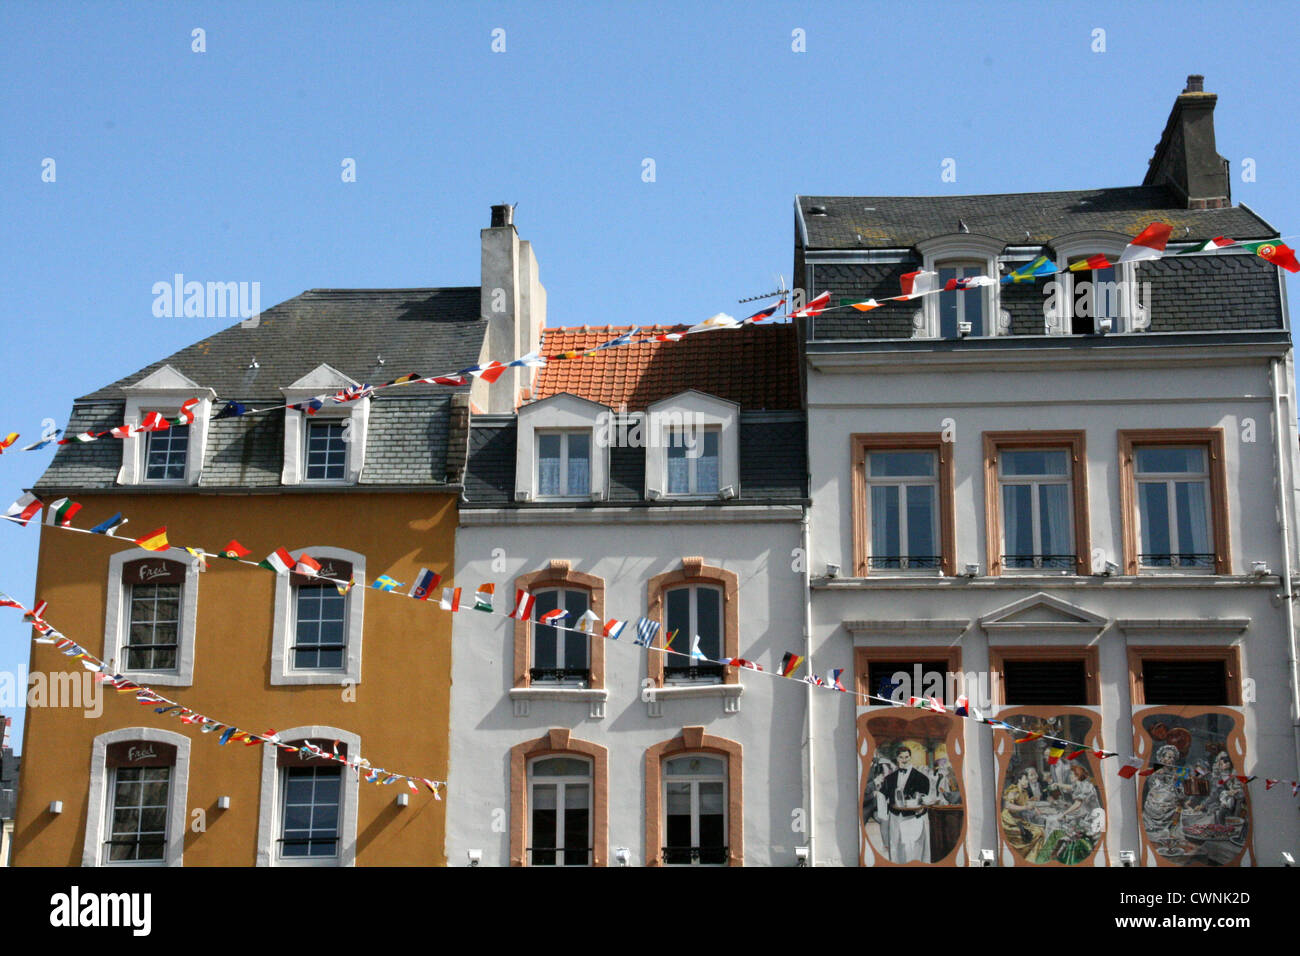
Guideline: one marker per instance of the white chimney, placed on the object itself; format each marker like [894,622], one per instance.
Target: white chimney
[513,301]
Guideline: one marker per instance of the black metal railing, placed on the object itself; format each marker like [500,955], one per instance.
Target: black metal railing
[550,856]
[699,672]
[1048,561]
[694,855]
[543,675]
[1184,560]
[928,562]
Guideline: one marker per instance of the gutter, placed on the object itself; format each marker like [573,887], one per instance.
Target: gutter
[811,792]
[1284,480]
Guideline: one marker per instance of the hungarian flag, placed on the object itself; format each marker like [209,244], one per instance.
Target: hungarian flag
[308,565]
[865,306]
[186,416]
[61,512]
[790,663]
[763,314]
[426,582]
[814,308]
[1042,266]
[613,628]
[235,551]
[1147,244]
[23,509]
[1278,253]
[450,599]
[385,583]
[154,540]
[1213,245]
[552,617]
[918,283]
[483,597]
[1130,767]
[1090,263]
[523,608]
[278,561]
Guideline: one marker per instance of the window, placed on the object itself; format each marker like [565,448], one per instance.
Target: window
[166,452]
[692,457]
[1036,502]
[317,633]
[151,613]
[901,680]
[903,505]
[563,464]
[695,811]
[1097,295]
[1185,676]
[1174,507]
[1038,676]
[692,611]
[307,809]
[560,819]
[903,510]
[560,655]
[327,452]
[956,308]
[137,798]
[310,817]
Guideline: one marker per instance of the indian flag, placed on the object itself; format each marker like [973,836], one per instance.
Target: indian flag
[60,512]
[154,540]
[483,597]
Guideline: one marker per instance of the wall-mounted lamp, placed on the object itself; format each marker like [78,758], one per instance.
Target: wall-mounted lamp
[623,855]
[801,857]
[832,570]
[1128,858]
[475,857]
[972,570]
[726,492]
[223,803]
[56,806]
[403,799]
[1260,569]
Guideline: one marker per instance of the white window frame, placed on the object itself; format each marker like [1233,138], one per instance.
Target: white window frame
[285,618]
[117,620]
[683,641]
[323,380]
[561,782]
[565,636]
[164,391]
[695,780]
[270,810]
[967,250]
[564,435]
[1169,479]
[677,438]
[1093,243]
[563,413]
[100,797]
[328,419]
[699,410]
[902,482]
[1035,482]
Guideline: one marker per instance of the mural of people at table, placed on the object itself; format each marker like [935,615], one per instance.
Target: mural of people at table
[1051,806]
[912,800]
[1194,809]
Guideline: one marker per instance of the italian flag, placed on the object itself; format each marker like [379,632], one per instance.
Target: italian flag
[1213,245]
[186,416]
[278,561]
[1148,244]
[1278,253]
[483,597]
[61,512]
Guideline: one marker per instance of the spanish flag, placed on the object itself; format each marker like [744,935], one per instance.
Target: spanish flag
[154,540]
[1032,735]
[1092,262]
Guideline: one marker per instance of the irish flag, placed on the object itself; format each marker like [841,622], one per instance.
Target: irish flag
[450,599]
[483,597]
[1212,245]
[1147,244]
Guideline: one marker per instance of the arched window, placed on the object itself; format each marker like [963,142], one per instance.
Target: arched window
[149,628]
[138,784]
[307,814]
[694,610]
[695,810]
[318,628]
[559,820]
[560,655]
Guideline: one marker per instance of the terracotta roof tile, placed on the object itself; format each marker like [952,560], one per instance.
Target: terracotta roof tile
[757,367]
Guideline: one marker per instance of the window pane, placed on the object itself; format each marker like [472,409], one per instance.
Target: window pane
[579,463]
[888,464]
[548,464]
[1153,507]
[544,637]
[1054,519]
[1162,460]
[561,767]
[973,302]
[679,610]
[885,528]
[708,622]
[1018,519]
[921,512]
[1034,463]
[679,476]
[947,305]
[575,645]
[706,466]
[1193,526]
[695,764]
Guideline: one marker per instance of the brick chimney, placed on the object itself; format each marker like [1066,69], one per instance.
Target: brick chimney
[1186,159]
[513,302]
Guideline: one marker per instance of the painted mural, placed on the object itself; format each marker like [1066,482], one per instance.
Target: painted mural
[913,810]
[1052,810]
[1194,810]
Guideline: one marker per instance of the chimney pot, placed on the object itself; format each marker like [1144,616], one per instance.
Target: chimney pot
[1195,83]
[503,215]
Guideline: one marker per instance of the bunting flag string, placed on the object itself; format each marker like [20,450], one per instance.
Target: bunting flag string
[228,732]
[646,630]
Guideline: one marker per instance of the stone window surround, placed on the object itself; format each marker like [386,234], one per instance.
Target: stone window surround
[695,571]
[142,400]
[1075,443]
[962,246]
[99,795]
[271,795]
[695,740]
[862,445]
[559,574]
[1230,655]
[325,379]
[558,741]
[1212,439]
[285,614]
[999,654]
[117,618]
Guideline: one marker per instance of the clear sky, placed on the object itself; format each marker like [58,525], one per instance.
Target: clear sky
[226,165]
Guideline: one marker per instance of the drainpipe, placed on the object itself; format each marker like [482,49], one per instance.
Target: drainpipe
[1284,480]
[811,793]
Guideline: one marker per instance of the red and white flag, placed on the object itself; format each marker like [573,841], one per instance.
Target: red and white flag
[1147,244]
[23,509]
[918,283]
[813,308]
[523,606]
[1130,767]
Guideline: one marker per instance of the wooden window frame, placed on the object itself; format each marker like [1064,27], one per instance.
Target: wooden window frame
[1230,655]
[863,444]
[1213,441]
[559,574]
[558,742]
[694,740]
[695,571]
[1000,654]
[1075,442]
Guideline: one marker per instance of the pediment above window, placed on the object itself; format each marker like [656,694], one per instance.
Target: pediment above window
[1042,612]
[341,431]
[709,465]
[164,391]
[562,449]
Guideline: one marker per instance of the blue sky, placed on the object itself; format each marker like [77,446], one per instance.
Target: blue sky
[225,165]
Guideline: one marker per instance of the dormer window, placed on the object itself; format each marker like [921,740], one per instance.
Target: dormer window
[961,308]
[1095,298]
[324,441]
[327,452]
[692,458]
[172,454]
[166,453]
[563,464]
[963,312]
[692,447]
[1095,294]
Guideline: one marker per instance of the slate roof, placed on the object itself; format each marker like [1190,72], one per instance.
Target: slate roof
[414,330]
[756,366]
[866,222]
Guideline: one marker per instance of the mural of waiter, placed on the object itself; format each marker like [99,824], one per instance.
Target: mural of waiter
[907,797]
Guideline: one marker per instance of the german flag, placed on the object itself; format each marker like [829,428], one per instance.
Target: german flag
[790,663]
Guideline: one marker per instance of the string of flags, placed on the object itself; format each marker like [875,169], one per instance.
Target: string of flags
[646,630]
[226,732]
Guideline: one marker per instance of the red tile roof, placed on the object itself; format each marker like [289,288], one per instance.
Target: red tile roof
[756,366]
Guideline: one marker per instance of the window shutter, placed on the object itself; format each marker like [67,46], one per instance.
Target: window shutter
[1045,682]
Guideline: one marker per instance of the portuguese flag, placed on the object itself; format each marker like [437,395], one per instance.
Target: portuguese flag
[1278,253]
